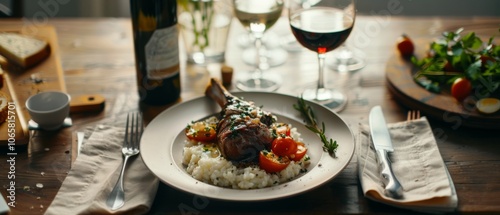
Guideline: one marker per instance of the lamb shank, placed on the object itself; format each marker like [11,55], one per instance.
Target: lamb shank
[244,129]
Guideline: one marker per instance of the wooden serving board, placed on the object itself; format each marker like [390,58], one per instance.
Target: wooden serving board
[442,106]
[45,76]
[13,131]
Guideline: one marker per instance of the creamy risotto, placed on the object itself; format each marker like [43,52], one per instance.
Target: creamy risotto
[204,162]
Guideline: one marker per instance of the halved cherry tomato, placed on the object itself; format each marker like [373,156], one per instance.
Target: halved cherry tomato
[461,88]
[284,146]
[201,131]
[271,162]
[301,151]
[405,46]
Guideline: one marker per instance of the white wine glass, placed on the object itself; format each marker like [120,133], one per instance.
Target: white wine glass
[322,26]
[257,16]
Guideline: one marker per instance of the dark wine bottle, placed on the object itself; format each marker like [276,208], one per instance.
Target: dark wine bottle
[156,45]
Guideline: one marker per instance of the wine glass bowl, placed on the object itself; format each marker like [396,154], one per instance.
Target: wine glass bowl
[346,60]
[322,26]
[257,16]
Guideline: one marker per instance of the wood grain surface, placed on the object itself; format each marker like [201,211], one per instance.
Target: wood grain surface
[46,75]
[15,118]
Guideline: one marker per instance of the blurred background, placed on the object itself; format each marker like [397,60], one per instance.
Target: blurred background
[120,8]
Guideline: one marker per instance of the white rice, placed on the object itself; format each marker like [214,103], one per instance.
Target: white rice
[203,163]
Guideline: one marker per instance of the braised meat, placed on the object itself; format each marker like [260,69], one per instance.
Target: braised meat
[244,129]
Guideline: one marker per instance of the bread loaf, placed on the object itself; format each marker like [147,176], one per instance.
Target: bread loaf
[23,50]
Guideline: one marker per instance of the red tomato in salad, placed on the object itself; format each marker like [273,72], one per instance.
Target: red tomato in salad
[461,88]
[201,131]
[405,46]
[300,153]
[284,146]
[271,163]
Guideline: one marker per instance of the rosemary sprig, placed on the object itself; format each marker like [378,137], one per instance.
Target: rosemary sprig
[329,146]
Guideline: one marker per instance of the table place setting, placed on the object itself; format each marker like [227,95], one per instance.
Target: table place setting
[420,178]
[96,170]
[333,137]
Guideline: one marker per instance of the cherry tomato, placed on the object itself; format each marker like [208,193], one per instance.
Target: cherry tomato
[461,88]
[284,146]
[271,162]
[405,46]
[301,151]
[201,131]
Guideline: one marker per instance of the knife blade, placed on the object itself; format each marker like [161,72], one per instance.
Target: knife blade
[383,144]
[80,137]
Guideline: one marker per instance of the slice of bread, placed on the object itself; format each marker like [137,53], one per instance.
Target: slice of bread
[23,50]
[1,77]
[3,107]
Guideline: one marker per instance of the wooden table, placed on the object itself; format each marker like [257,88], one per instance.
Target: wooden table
[97,57]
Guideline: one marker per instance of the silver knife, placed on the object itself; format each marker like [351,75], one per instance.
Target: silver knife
[383,144]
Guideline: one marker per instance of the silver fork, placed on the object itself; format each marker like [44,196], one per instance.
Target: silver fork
[133,132]
[413,115]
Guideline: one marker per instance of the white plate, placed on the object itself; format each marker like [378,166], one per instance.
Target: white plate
[163,140]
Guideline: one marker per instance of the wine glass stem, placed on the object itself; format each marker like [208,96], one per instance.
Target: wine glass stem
[257,76]
[321,63]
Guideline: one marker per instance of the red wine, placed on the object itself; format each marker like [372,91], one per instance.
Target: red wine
[156,47]
[321,29]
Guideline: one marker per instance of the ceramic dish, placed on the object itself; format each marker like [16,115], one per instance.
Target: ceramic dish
[163,140]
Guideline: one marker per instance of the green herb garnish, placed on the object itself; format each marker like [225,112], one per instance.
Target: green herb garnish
[329,146]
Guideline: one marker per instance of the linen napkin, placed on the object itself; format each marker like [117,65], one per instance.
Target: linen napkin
[416,163]
[95,172]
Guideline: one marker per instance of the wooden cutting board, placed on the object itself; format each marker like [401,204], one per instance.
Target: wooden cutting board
[20,84]
[442,106]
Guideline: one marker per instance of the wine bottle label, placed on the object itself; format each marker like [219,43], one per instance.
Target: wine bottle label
[162,53]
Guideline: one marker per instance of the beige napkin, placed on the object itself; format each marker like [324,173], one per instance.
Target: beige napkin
[417,164]
[94,174]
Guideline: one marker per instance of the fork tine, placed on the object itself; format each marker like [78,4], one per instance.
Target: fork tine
[132,131]
[126,138]
[410,115]
[138,129]
[413,115]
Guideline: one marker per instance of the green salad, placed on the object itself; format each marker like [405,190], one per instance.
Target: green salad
[462,64]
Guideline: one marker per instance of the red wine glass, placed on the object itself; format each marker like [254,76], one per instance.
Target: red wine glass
[322,26]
